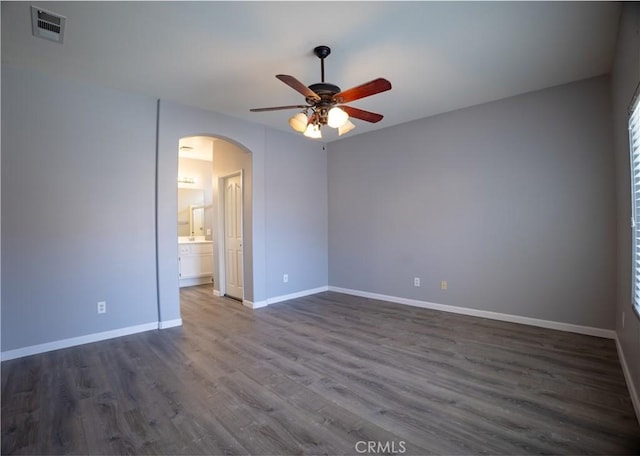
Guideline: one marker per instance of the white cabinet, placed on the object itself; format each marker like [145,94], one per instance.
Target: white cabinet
[195,262]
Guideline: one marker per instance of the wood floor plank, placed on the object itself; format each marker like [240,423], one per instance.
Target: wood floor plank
[318,375]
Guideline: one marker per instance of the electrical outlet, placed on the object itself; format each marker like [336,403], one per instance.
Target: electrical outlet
[416,281]
[443,285]
[102,307]
[285,278]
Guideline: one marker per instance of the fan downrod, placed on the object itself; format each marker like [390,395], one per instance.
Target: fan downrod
[322,52]
[324,89]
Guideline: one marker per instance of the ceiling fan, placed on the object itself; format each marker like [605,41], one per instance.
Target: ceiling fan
[325,102]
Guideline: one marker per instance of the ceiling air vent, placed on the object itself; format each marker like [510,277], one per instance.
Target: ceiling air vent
[47,25]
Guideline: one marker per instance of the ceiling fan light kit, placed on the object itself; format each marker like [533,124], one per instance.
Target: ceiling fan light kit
[346,128]
[325,102]
[313,131]
[299,122]
[337,117]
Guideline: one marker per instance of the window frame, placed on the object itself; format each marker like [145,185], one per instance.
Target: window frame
[633,124]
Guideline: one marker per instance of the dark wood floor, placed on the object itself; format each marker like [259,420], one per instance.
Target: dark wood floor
[317,375]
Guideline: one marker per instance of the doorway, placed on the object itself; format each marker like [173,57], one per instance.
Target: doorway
[228,206]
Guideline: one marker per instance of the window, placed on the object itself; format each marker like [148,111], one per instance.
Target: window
[634,148]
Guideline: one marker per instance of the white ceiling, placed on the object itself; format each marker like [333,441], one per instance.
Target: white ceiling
[223,56]
[196,147]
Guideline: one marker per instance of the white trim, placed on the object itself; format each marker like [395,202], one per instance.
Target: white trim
[169,323]
[588,330]
[72,342]
[627,376]
[254,305]
[299,294]
[275,299]
[193,281]
[216,293]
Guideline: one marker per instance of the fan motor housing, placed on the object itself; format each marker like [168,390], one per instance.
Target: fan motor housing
[325,90]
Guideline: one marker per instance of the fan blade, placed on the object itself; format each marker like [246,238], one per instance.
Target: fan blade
[297,85]
[362,114]
[364,90]
[278,108]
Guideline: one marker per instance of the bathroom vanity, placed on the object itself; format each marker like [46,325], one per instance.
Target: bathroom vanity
[195,261]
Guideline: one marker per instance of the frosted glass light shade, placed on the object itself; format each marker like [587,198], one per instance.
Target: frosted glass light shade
[313,131]
[299,122]
[337,117]
[346,128]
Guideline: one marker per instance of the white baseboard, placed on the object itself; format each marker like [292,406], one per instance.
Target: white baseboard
[194,281]
[588,330]
[275,299]
[66,343]
[169,323]
[254,305]
[299,294]
[627,376]
[216,292]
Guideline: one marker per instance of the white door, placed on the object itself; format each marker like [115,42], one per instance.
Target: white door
[233,236]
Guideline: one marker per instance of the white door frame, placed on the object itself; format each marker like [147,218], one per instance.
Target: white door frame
[222,267]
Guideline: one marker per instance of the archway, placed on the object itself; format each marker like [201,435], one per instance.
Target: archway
[205,162]
[177,121]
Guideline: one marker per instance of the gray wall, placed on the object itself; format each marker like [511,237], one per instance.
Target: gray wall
[177,121]
[511,202]
[78,172]
[296,211]
[269,151]
[624,80]
[79,192]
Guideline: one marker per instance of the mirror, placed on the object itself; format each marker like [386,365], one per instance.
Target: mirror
[196,223]
[190,212]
